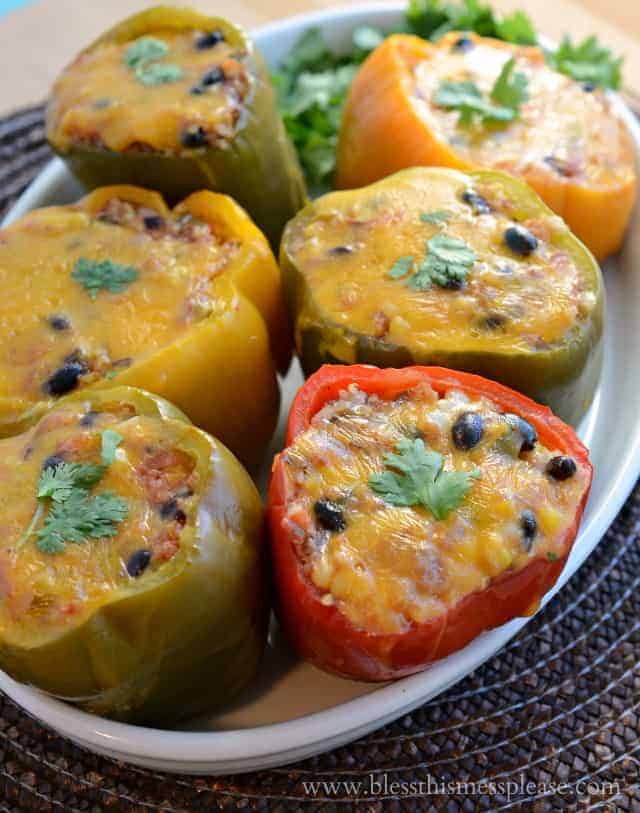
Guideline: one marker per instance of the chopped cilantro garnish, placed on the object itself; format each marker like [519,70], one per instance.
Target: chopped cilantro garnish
[416,476]
[74,515]
[96,276]
[510,89]
[516,28]
[144,50]
[59,482]
[552,557]
[587,62]
[159,73]
[79,518]
[507,95]
[110,442]
[400,267]
[437,217]
[447,264]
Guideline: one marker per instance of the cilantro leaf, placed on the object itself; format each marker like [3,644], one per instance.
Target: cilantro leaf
[96,276]
[516,28]
[587,62]
[439,216]
[60,482]
[110,442]
[415,476]
[508,92]
[432,19]
[510,89]
[79,518]
[158,73]
[400,267]
[144,50]
[467,98]
[447,264]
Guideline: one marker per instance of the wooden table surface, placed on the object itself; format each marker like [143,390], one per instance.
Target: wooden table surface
[38,40]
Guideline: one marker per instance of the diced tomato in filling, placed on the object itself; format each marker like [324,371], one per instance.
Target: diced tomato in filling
[388,565]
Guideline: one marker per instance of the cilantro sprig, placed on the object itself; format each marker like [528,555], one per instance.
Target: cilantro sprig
[96,276]
[142,57]
[415,475]
[587,62]
[507,95]
[312,107]
[447,264]
[73,514]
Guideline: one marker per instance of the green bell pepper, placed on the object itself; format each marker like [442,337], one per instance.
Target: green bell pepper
[170,635]
[258,167]
[361,290]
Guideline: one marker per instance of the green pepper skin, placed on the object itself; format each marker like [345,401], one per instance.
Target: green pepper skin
[260,169]
[187,637]
[565,377]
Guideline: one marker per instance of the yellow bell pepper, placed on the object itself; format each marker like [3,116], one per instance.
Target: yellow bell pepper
[187,305]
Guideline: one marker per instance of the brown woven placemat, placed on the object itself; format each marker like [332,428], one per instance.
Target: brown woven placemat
[552,721]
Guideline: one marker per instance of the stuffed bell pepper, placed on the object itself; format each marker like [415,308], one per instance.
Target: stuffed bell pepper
[177,101]
[463,270]
[131,559]
[413,509]
[472,102]
[185,303]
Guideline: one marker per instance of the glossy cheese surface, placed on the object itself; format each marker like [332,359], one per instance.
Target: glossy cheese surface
[346,244]
[565,130]
[156,471]
[49,319]
[386,567]
[102,101]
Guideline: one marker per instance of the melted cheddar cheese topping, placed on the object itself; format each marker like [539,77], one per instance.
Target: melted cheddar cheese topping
[157,478]
[386,567]
[100,100]
[49,320]
[346,247]
[564,130]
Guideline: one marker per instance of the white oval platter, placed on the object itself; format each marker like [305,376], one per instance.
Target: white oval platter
[293,710]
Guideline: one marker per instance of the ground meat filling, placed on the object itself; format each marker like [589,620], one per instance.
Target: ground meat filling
[157,480]
[72,334]
[166,91]
[386,566]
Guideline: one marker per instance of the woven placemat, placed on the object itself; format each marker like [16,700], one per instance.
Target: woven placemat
[551,723]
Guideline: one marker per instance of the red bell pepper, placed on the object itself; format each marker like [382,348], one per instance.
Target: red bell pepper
[321,633]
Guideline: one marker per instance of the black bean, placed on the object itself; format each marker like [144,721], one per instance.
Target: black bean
[462,44]
[59,322]
[170,510]
[478,203]
[194,137]
[557,165]
[589,87]
[520,240]
[89,419]
[453,284]
[561,467]
[494,321]
[138,562]
[52,462]
[153,222]
[529,525]
[65,378]
[337,251]
[196,90]
[467,431]
[329,515]
[209,39]
[528,434]
[212,77]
